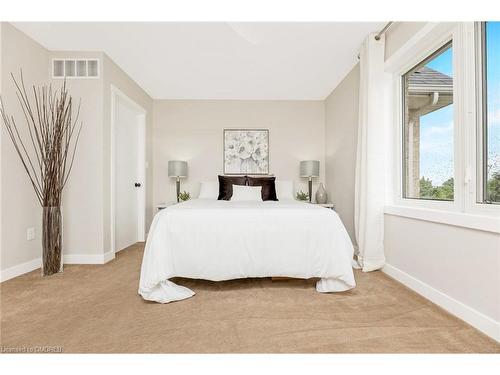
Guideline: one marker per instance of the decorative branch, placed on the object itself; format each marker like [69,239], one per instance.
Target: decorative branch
[52,136]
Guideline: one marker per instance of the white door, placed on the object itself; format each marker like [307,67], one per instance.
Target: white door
[129,173]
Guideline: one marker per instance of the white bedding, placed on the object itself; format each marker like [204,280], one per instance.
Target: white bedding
[222,240]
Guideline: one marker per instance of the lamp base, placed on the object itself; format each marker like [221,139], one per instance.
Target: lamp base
[178,188]
[310,189]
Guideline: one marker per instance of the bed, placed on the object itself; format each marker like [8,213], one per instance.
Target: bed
[222,240]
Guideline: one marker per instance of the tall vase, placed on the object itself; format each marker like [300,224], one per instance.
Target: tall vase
[321,195]
[51,241]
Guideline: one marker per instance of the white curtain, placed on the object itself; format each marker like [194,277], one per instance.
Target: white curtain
[373,128]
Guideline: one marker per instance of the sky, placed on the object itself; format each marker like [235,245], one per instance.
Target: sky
[493,71]
[436,128]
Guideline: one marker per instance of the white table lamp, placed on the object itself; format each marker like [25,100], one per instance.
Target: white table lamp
[177,169]
[309,169]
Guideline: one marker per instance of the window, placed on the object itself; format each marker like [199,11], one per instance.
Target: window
[489,158]
[447,164]
[428,128]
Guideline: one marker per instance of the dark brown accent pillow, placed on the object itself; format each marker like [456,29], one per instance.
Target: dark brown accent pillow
[226,186]
[268,187]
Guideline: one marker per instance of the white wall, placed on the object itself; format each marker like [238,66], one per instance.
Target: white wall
[20,208]
[89,191]
[1,140]
[341,125]
[83,195]
[86,199]
[463,263]
[456,267]
[398,34]
[193,131]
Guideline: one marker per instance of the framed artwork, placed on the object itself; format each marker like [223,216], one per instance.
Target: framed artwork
[246,151]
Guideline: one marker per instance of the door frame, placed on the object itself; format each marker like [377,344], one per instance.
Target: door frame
[117,94]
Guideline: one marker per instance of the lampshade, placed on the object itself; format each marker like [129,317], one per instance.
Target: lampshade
[309,168]
[177,168]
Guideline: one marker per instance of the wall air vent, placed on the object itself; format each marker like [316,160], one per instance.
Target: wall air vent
[75,68]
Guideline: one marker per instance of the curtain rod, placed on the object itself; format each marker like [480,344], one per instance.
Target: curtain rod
[382,32]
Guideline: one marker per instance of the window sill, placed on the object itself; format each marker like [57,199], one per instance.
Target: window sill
[479,222]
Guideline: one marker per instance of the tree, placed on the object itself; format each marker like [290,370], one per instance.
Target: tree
[494,187]
[429,191]
[445,191]
[426,188]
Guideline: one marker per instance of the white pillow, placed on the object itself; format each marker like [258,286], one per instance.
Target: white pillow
[247,193]
[209,190]
[284,190]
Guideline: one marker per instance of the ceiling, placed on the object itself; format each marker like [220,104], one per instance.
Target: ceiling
[237,61]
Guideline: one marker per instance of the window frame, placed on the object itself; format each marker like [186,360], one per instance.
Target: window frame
[403,124]
[464,210]
[409,56]
[482,115]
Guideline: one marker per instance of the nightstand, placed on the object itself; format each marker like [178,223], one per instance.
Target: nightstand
[161,206]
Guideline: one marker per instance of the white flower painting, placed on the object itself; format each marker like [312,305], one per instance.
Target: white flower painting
[246,151]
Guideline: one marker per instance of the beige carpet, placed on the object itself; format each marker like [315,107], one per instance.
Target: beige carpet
[96,308]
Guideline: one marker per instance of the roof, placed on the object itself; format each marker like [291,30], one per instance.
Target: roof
[425,79]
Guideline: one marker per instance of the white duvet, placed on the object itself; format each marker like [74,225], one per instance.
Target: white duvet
[222,240]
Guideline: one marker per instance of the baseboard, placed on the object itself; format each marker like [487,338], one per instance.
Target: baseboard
[110,255]
[20,269]
[82,259]
[476,319]
[88,258]
[32,265]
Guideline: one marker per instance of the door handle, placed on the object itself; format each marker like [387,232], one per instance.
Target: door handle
[137,184]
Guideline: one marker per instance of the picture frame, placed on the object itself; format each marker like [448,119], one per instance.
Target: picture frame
[246,151]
